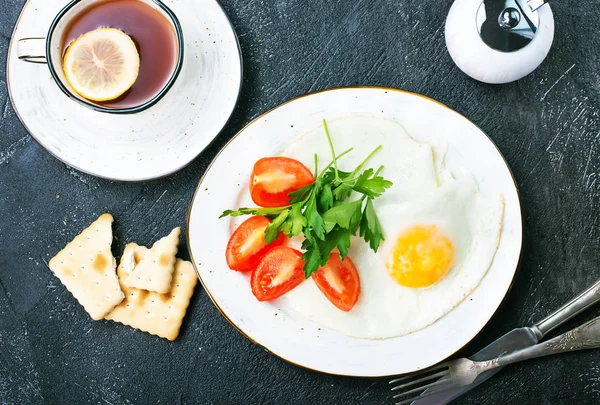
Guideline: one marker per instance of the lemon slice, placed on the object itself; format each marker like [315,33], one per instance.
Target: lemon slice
[102,64]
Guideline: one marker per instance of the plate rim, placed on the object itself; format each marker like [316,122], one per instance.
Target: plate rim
[263,115]
[141,179]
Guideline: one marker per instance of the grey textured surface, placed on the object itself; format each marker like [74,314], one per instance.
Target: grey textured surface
[547,126]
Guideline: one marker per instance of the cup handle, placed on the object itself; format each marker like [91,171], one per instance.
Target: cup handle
[32,50]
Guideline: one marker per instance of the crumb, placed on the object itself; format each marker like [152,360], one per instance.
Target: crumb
[57,196]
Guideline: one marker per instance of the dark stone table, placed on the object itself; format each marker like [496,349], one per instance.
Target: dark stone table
[546,125]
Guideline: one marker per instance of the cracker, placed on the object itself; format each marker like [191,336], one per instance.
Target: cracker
[158,314]
[86,267]
[155,271]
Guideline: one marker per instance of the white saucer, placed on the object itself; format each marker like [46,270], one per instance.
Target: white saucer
[143,146]
[285,332]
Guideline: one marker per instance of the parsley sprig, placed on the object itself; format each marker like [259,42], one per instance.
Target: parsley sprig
[321,212]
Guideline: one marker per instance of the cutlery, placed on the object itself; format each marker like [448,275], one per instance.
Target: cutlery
[518,339]
[456,373]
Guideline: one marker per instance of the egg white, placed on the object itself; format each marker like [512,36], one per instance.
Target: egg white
[424,192]
[386,309]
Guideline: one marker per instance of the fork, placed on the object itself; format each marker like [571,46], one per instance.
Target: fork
[461,372]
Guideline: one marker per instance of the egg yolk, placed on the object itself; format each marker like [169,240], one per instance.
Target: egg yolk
[421,256]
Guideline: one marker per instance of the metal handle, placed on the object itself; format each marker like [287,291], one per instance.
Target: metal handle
[32,50]
[587,336]
[578,304]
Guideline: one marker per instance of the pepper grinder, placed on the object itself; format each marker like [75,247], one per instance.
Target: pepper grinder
[499,41]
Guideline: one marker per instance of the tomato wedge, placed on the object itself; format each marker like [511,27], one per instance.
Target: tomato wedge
[247,244]
[274,178]
[278,272]
[339,281]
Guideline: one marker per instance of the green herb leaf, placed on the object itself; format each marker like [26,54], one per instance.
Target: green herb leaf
[343,215]
[306,243]
[274,228]
[313,218]
[370,227]
[311,255]
[338,238]
[301,194]
[329,176]
[232,213]
[370,184]
[253,211]
[342,192]
[325,198]
[295,221]
[355,219]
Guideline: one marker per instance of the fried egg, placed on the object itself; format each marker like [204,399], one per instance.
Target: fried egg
[441,233]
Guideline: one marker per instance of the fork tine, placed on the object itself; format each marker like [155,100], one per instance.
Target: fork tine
[422,388]
[421,396]
[442,373]
[420,373]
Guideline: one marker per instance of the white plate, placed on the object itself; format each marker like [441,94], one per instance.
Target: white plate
[289,335]
[143,146]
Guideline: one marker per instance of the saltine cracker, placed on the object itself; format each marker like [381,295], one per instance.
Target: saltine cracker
[158,314]
[155,271]
[86,267]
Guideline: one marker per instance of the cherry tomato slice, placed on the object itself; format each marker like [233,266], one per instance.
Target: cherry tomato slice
[247,244]
[339,281]
[274,178]
[278,272]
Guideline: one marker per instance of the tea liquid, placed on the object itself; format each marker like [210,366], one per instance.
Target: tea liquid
[152,33]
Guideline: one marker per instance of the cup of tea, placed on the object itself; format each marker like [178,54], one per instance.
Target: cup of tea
[113,56]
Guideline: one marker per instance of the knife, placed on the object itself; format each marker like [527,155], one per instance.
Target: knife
[518,339]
